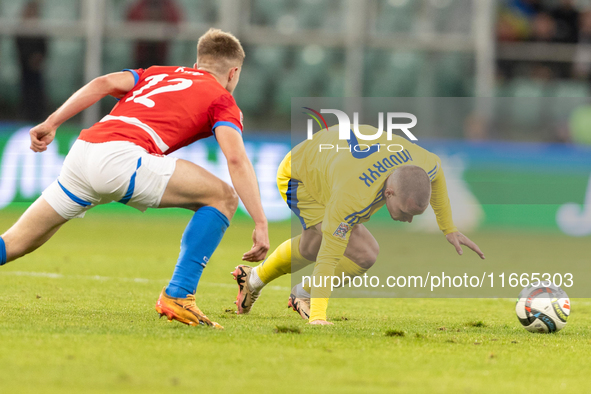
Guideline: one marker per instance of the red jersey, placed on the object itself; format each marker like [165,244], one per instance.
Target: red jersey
[168,108]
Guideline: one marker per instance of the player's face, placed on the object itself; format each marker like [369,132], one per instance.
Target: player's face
[401,211]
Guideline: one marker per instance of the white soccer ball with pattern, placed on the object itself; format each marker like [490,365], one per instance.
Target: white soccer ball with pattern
[543,309]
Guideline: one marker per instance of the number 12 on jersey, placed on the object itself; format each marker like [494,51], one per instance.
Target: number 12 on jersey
[154,80]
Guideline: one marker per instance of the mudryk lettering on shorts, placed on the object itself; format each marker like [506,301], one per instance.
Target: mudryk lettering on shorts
[384,166]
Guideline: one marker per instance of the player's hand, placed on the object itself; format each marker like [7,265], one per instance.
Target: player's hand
[321,323]
[457,239]
[261,245]
[41,136]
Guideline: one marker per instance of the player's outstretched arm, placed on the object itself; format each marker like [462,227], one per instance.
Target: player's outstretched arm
[245,183]
[457,239]
[115,84]
[442,208]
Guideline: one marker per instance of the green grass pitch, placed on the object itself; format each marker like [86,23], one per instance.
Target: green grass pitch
[78,316]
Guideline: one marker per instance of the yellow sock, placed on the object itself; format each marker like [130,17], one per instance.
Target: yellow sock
[345,266]
[319,302]
[281,261]
[318,307]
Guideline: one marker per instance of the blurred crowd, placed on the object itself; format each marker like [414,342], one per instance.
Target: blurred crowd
[560,21]
[537,20]
[32,51]
[51,68]
[557,82]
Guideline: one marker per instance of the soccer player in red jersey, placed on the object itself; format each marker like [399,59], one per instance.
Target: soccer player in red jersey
[124,158]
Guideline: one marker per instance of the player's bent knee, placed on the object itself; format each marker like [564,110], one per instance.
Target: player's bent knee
[371,256]
[376,251]
[367,261]
[226,201]
[230,201]
[308,253]
[310,243]
[366,257]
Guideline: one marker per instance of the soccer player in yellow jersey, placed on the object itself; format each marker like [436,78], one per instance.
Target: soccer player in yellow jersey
[333,191]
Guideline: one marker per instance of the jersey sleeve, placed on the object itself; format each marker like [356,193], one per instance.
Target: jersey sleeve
[440,199]
[335,238]
[223,111]
[137,73]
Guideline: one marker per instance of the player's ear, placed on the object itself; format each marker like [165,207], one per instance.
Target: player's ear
[389,192]
[195,66]
[232,74]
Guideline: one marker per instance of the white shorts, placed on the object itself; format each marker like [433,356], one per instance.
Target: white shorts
[95,174]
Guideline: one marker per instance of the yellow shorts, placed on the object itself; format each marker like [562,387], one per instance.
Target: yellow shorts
[294,193]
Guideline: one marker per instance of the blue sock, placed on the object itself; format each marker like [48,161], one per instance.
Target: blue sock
[200,239]
[2,252]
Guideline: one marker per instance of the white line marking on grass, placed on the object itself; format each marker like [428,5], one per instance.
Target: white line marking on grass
[52,275]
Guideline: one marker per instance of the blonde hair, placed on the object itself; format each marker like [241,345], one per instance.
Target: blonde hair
[220,49]
[412,182]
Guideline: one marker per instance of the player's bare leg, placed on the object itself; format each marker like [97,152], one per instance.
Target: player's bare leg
[214,203]
[193,187]
[35,227]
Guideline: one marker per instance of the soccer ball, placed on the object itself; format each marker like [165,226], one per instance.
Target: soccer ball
[543,309]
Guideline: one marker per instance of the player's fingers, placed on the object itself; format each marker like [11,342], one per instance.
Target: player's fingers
[38,147]
[262,254]
[478,251]
[252,259]
[257,253]
[36,144]
[456,244]
[34,139]
[250,255]
[474,247]
[257,256]
[46,139]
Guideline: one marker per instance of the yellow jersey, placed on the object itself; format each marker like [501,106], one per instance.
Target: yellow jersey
[348,178]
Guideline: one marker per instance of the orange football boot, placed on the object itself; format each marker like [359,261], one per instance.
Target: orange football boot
[183,310]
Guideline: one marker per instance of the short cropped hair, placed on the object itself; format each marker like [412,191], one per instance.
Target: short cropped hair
[220,48]
[413,182]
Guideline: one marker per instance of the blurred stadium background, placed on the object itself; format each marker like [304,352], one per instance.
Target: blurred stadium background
[302,48]
[532,58]
[77,316]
